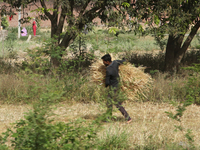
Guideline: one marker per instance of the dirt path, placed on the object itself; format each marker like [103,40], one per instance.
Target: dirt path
[148,120]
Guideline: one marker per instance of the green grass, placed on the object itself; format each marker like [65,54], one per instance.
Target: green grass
[99,39]
[8,47]
[14,45]
[106,42]
[126,42]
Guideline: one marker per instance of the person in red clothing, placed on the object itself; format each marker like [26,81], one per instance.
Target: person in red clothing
[34,27]
[10,17]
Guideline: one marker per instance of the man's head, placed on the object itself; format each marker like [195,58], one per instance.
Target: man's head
[106,59]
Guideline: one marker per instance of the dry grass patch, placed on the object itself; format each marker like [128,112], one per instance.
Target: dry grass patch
[10,114]
[167,88]
[149,120]
[10,85]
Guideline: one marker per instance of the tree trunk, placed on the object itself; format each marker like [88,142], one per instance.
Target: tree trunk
[174,53]
[175,50]
[172,49]
[67,40]
[55,60]
[169,55]
[75,24]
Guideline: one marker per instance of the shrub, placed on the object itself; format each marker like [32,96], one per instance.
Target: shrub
[76,59]
[80,57]
[193,85]
[4,22]
[197,47]
[156,61]
[38,132]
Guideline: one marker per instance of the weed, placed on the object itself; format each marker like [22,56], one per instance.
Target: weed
[113,139]
[4,22]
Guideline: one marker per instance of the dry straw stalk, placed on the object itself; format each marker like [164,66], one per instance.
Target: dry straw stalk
[134,82]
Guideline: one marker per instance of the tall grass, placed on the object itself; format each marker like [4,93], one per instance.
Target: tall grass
[114,138]
[23,88]
[166,88]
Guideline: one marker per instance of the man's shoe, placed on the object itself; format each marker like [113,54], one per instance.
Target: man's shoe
[129,121]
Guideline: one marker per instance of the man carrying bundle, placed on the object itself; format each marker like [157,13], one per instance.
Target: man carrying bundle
[112,81]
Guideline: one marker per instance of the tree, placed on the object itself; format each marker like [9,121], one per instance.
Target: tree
[75,14]
[175,18]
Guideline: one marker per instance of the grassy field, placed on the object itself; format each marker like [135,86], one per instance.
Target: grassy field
[74,96]
[98,40]
[150,128]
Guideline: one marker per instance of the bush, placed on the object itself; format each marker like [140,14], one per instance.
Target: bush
[4,22]
[156,61]
[150,61]
[193,85]
[80,57]
[38,132]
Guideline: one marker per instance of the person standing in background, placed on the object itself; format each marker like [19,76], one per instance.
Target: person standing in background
[10,17]
[34,27]
[24,32]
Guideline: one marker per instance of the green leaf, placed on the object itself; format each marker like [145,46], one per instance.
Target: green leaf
[156,20]
[125,4]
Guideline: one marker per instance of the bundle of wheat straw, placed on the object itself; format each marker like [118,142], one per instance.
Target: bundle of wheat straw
[134,81]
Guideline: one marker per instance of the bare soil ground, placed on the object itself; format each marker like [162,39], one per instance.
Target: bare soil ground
[148,120]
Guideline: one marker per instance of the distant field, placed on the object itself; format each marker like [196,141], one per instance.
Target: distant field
[98,40]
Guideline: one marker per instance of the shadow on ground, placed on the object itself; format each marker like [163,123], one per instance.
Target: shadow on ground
[103,118]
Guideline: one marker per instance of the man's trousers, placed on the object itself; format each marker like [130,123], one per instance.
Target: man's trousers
[113,98]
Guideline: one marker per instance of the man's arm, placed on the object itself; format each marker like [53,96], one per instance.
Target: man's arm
[120,61]
[107,82]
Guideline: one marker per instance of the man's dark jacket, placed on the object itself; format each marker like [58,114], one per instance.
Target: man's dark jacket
[112,73]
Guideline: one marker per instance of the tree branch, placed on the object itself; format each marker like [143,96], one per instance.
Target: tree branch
[45,10]
[91,13]
[62,20]
[55,10]
[72,6]
[84,7]
[191,36]
[35,5]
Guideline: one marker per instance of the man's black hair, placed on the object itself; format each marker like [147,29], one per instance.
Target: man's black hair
[106,57]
